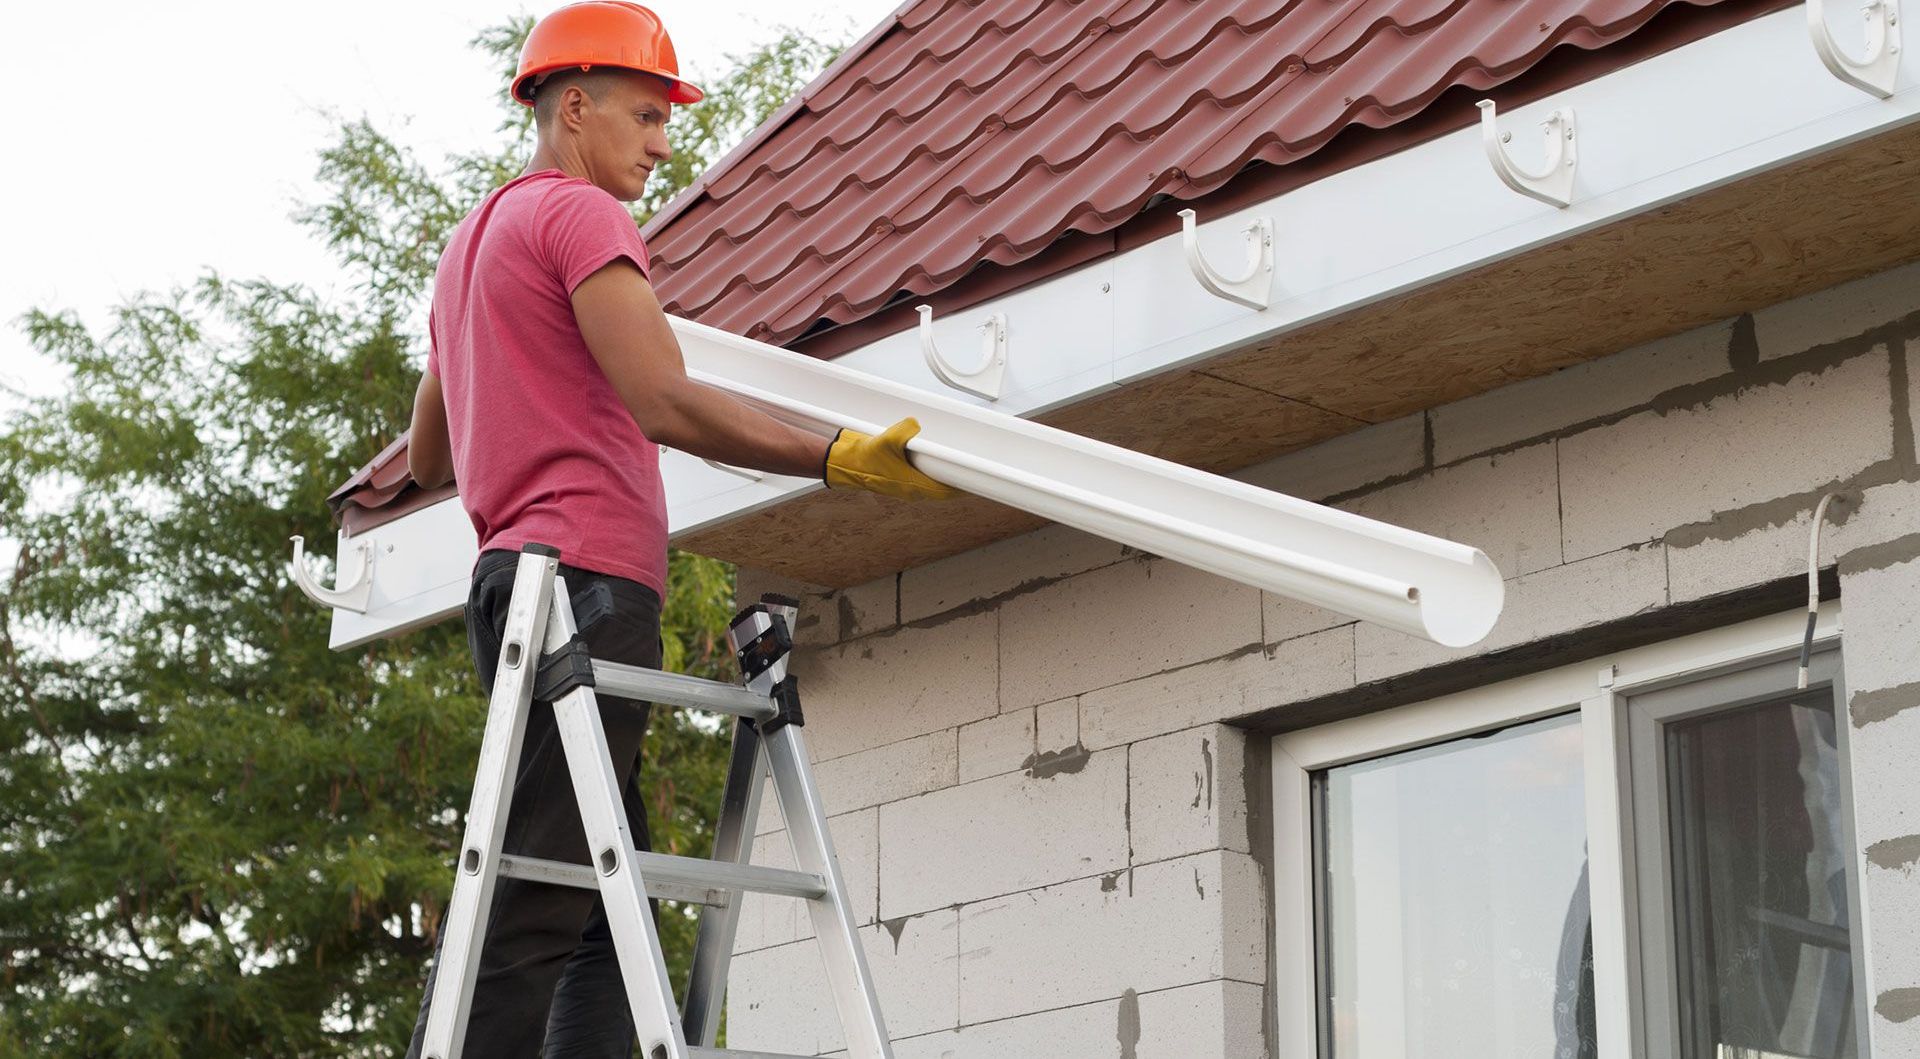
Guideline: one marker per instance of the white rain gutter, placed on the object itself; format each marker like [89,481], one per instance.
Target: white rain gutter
[1740,102]
[1419,584]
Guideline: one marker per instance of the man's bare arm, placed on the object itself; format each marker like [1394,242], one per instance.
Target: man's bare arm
[627,332]
[429,453]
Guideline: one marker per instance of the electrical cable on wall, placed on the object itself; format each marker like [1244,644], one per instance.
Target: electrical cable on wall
[1813,585]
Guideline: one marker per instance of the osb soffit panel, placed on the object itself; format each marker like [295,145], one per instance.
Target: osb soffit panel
[1796,229]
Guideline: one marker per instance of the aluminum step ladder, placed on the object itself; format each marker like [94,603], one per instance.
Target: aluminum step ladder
[542,658]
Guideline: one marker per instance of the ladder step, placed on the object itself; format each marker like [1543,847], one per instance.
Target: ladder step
[671,878]
[674,689]
[733,1053]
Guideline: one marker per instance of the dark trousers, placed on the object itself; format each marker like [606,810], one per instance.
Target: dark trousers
[548,973]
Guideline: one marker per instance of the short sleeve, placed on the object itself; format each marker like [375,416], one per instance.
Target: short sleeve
[581,228]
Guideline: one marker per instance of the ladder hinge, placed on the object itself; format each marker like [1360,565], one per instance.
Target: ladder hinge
[786,707]
[563,669]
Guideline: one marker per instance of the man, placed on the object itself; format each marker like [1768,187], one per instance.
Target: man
[552,378]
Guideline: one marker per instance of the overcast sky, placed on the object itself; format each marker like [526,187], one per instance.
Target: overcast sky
[158,138]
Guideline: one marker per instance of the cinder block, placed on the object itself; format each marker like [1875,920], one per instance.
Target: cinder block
[1837,312]
[769,819]
[1003,834]
[1770,549]
[1506,505]
[1895,1026]
[1043,555]
[1881,641]
[998,744]
[1085,1031]
[827,616]
[1056,725]
[889,773]
[1913,386]
[898,684]
[1882,675]
[1538,605]
[1118,623]
[1213,1020]
[1210,1020]
[1763,552]
[1187,793]
[778,1001]
[916,971]
[1283,618]
[768,920]
[1878,514]
[862,609]
[1350,461]
[1892,904]
[1177,922]
[914,965]
[1545,404]
[1301,668]
[1636,479]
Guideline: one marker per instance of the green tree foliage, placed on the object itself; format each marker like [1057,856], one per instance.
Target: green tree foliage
[217,837]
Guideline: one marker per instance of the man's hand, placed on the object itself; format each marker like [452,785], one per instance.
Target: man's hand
[878,463]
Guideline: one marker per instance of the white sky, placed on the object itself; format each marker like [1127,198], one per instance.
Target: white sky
[163,137]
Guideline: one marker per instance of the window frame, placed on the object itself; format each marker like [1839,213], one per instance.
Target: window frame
[1602,690]
[1649,711]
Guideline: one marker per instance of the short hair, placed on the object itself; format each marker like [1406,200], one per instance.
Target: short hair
[546,93]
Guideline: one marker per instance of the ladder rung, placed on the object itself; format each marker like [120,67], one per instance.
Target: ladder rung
[674,689]
[707,882]
[734,1053]
[583,877]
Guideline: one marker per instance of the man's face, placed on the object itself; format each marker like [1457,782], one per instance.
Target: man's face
[625,135]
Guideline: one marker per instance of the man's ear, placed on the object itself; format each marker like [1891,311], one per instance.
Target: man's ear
[573,104]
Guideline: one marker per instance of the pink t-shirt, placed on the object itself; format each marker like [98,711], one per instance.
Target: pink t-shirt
[543,449]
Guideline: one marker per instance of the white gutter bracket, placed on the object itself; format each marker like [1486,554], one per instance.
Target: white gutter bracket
[1254,289]
[1876,74]
[983,381]
[1552,185]
[352,596]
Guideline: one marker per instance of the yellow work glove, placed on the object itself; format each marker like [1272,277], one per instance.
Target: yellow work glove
[878,463]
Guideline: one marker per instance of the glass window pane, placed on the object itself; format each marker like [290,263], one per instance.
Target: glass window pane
[1453,904]
[1760,882]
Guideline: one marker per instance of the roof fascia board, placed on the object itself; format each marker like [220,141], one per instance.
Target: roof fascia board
[1730,105]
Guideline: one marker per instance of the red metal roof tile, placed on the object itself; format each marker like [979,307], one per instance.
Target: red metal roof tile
[971,131]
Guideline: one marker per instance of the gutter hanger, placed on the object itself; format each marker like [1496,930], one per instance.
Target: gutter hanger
[1419,584]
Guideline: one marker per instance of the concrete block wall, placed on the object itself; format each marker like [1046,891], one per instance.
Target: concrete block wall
[1054,829]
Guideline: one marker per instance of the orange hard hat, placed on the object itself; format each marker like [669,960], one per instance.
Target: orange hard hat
[601,33]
